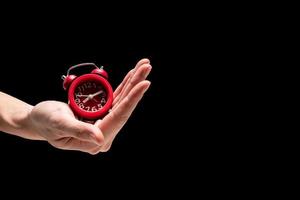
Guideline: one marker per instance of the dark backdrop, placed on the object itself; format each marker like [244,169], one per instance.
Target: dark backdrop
[33,59]
[178,135]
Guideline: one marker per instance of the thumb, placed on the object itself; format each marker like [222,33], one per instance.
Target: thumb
[72,127]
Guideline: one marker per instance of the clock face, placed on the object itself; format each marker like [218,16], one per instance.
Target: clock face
[90,96]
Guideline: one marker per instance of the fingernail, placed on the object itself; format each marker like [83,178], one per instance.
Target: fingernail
[146,60]
[141,62]
[147,72]
[147,87]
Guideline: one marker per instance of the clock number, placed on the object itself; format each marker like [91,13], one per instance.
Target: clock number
[88,85]
[77,101]
[99,105]
[103,101]
[81,88]
[94,84]
[87,108]
[81,105]
[78,93]
[94,109]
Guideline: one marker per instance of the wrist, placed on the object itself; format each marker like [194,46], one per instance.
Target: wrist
[24,125]
[15,117]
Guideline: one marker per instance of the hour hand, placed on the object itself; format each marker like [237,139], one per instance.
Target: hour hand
[89,97]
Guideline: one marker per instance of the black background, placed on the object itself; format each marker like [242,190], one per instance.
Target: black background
[155,139]
[182,130]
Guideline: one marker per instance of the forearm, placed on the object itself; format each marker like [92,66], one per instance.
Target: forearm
[14,117]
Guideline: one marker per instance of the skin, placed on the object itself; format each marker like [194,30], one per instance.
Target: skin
[54,121]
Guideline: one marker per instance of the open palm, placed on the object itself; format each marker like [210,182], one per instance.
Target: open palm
[55,122]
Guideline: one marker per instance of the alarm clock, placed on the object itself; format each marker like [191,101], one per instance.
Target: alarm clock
[90,95]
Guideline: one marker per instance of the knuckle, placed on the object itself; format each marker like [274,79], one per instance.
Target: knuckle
[94,152]
[105,149]
[131,83]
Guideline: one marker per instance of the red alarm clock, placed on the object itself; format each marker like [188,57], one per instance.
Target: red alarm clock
[90,95]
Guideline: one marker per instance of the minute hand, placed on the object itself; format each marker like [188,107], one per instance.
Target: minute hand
[97,93]
[91,96]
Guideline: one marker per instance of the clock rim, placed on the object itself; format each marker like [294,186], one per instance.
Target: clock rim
[85,114]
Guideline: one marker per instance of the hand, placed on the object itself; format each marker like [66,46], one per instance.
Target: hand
[126,97]
[55,121]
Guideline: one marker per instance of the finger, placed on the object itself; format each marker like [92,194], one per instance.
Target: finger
[72,127]
[104,148]
[97,150]
[69,143]
[115,120]
[140,75]
[128,78]
[107,146]
[141,62]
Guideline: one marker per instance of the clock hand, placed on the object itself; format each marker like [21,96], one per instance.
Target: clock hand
[88,98]
[97,93]
[91,96]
